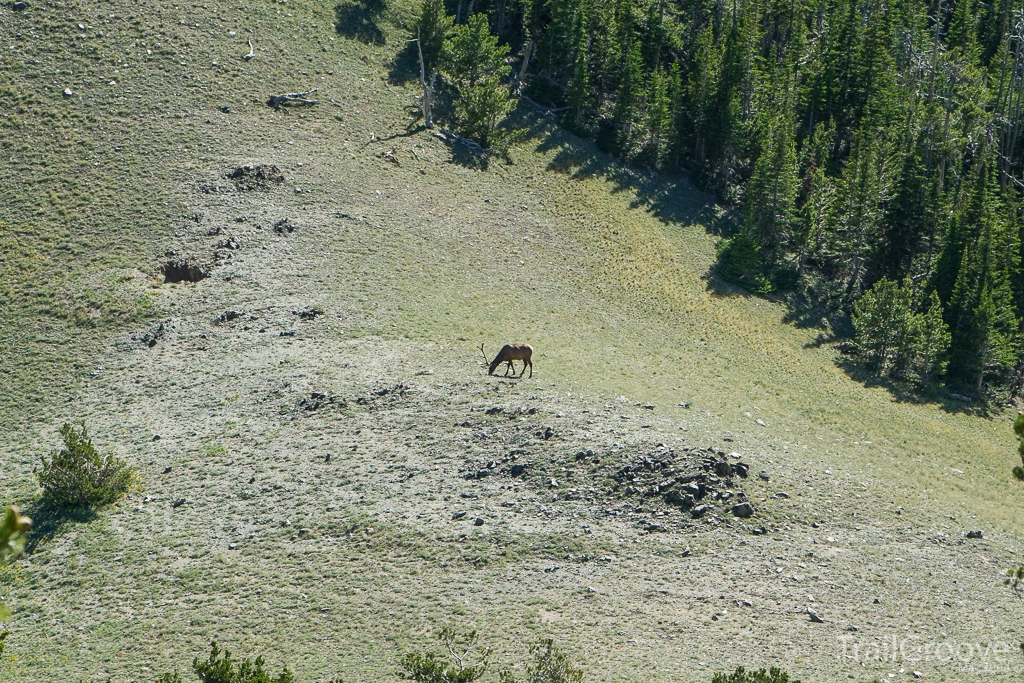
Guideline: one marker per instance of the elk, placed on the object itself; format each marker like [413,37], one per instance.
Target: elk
[509,353]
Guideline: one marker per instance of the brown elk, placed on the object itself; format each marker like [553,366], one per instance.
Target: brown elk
[509,353]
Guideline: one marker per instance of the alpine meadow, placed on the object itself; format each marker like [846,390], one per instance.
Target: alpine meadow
[511,341]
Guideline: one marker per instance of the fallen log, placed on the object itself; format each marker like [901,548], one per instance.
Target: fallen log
[292,98]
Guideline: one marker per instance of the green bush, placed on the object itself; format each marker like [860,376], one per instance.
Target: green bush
[454,666]
[741,675]
[218,669]
[78,476]
[549,665]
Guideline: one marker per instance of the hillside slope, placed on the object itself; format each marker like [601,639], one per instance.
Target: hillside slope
[604,270]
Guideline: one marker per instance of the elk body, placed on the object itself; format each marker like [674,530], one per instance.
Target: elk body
[509,353]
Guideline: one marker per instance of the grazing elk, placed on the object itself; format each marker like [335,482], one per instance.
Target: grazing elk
[509,353]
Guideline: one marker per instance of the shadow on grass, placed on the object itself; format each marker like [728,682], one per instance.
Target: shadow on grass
[905,392]
[405,66]
[360,20]
[50,520]
[672,200]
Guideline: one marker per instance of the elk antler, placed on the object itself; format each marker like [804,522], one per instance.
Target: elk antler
[481,347]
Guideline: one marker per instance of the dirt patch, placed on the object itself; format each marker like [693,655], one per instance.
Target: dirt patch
[255,177]
[183,270]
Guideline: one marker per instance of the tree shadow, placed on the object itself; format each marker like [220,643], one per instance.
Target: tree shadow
[670,199]
[49,520]
[359,20]
[405,66]
[905,392]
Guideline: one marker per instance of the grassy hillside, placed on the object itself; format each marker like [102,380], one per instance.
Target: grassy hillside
[605,270]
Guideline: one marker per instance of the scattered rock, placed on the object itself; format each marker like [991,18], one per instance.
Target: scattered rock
[782,494]
[478,521]
[759,531]
[255,177]
[814,616]
[648,406]
[156,437]
[553,484]
[178,503]
[960,397]
[743,510]
[548,433]
[655,527]
[19,6]
[167,470]
[68,92]
[458,515]
[700,511]
[493,411]
[309,313]
[518,469]
[973,534]
[226,316]
[286,333]
[763,476]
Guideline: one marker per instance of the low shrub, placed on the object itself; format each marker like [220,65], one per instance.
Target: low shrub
[78,476]
[549,665]
[741,675]
[222,669]
[463,662]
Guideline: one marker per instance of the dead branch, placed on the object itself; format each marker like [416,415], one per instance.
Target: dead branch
[252,53]
[547,112]
[293,98]
[428,88]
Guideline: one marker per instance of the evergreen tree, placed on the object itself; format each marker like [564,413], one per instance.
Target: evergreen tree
[433,27]
[771,194]
[475,63]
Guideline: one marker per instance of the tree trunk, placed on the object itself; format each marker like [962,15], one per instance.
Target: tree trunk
[428,88]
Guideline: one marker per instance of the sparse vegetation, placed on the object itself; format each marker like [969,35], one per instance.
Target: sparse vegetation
[78,476]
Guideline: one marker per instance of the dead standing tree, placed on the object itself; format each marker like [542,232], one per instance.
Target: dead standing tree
[428,88]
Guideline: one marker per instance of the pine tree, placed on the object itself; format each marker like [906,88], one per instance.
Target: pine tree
[434,26]
[771,193]
[475,63]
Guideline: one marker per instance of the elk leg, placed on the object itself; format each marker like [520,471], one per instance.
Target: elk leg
[509,368]
[531,369]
